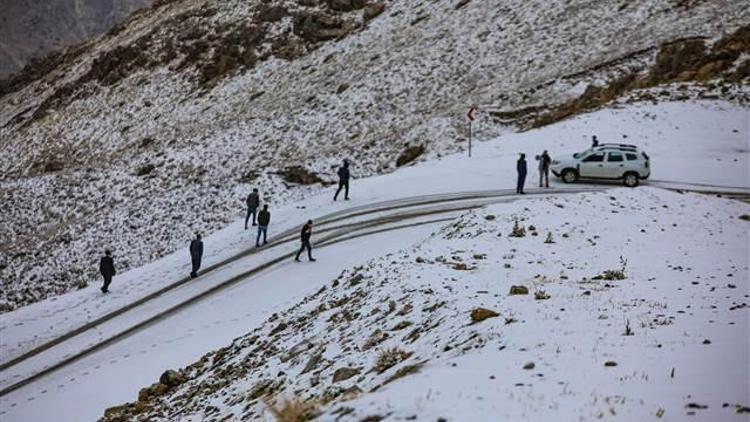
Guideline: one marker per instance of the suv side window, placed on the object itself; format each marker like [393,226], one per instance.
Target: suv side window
[631,157]
[594,158]
[615,156]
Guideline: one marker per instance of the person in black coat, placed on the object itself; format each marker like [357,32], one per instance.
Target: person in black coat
[544,162]
[521,169]
[107,269]
[196,254]
[305,238]
[264,217]
[344,177]
[594,141]
[252,201]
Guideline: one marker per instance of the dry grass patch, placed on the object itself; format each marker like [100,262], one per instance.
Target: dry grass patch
[389,358]
[293,410]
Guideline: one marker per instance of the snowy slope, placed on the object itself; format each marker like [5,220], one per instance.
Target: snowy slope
[674,134]
[395,338]
[73,142]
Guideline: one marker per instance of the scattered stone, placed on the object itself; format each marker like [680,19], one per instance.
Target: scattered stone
[145,170]
[343,374]
[610,363]
[519,290]
[410,154]
[171,378]
[529,366]
[279,328]
[372,11]
[480,314]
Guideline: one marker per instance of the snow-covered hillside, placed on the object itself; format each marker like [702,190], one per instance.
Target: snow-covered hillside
[693,144]
[597,325]
[157,130]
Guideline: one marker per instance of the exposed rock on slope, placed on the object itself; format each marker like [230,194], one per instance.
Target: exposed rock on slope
[216,97]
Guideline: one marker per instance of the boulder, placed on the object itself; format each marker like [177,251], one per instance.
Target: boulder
[410,154]
[171,378]
[519,290]
[480,314]
[343,374]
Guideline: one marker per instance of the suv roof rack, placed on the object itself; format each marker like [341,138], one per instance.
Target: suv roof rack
[629,146]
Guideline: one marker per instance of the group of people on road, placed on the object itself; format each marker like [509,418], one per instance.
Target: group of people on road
[544,164]
[261,219]
[521,168]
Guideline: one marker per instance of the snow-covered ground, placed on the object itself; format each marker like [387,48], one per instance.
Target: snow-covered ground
[395,338]
[674,134]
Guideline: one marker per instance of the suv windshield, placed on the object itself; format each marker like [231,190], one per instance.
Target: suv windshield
[581,154]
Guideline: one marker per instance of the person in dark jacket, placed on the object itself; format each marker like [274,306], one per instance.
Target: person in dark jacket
[521,169]
[305,238]
[196,254]
[264,217]
[544,162]
[594,141]
[252,201]
[107,269]
[344,176]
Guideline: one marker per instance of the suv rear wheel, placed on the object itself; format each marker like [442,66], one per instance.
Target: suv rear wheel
[630,179]
[569,176]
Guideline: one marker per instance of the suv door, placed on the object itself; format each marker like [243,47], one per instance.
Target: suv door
[592,165]
[615,167]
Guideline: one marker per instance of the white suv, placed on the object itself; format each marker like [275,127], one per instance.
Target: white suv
[606,161]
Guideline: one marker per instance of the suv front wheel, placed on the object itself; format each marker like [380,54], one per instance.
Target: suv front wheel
[569,176]
[630,179]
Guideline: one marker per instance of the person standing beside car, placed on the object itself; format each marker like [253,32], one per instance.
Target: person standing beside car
[544,163]
[521,169]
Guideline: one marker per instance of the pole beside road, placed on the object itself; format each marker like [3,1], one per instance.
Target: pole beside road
[471,117]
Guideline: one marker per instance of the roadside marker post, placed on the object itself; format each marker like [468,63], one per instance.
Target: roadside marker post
[471,117]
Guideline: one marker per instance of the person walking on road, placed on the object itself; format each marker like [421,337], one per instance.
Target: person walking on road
[252,201]
[196,254]
[521,169]
[264,217]
[107,269]
[344,176]
[544,163]
[305,238]
[594,141]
